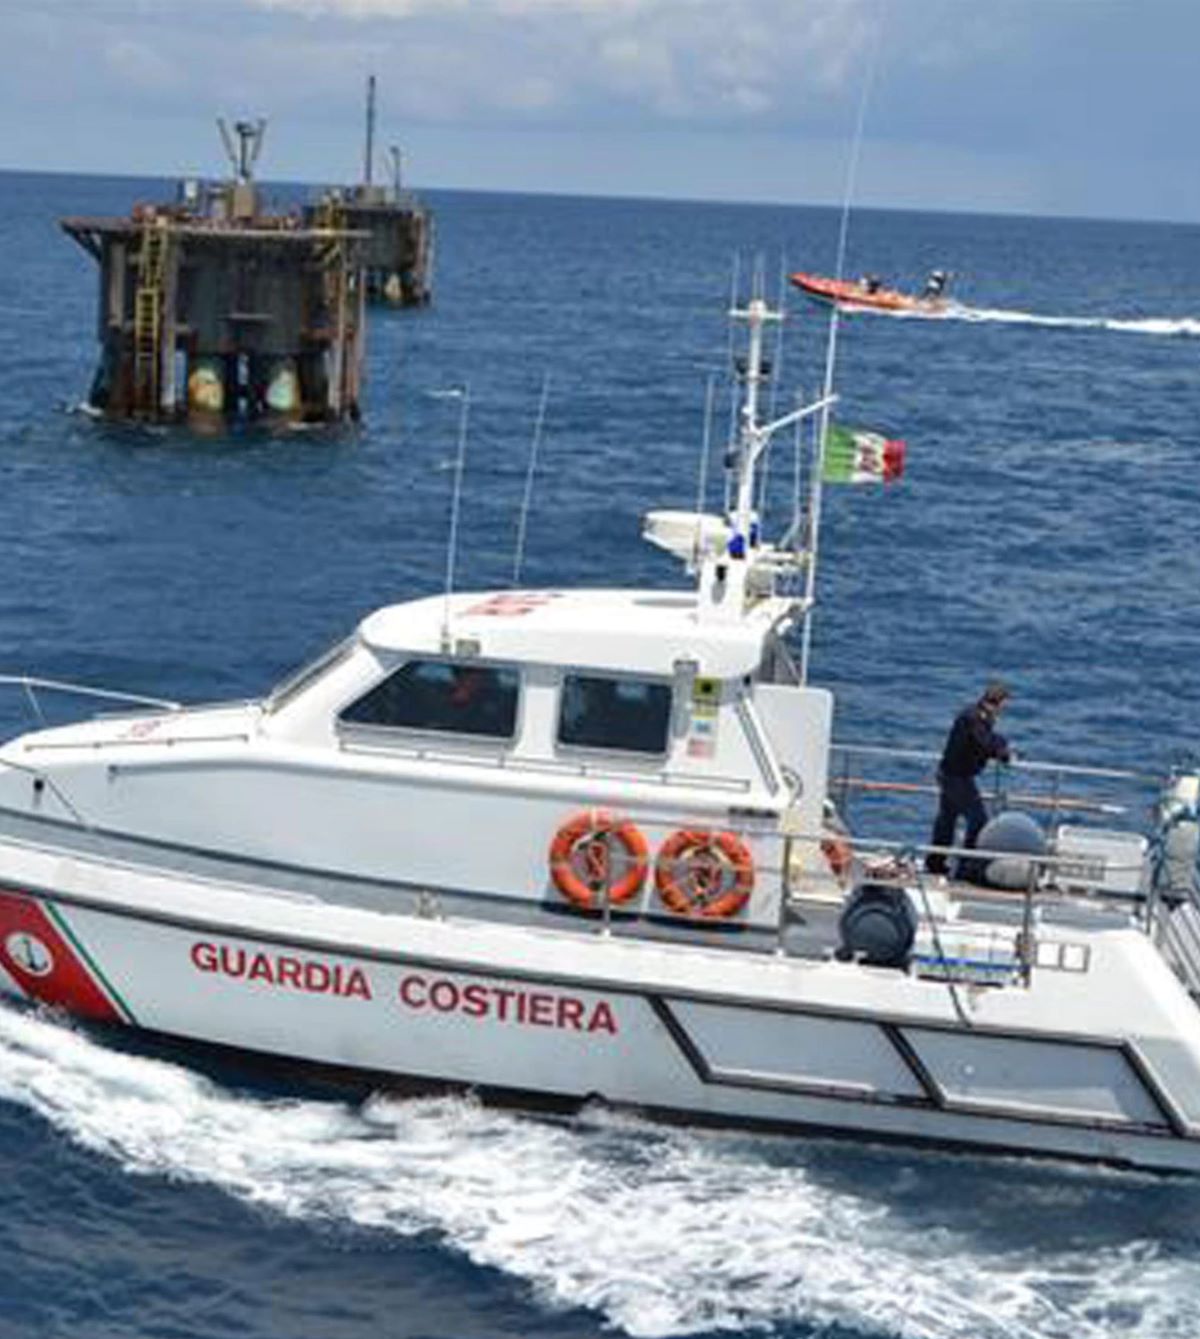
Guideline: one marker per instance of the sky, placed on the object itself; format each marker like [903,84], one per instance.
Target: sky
[1069,107]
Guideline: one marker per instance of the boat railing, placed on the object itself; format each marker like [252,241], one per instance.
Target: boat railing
[879,778]
[1006,945]
[1173,907]
[1014,948]
[31,687]
[1176,932]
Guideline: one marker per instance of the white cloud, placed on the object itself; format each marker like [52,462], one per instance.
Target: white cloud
[609,59]
[1063,90]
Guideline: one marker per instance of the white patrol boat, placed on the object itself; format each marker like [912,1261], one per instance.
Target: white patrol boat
[566,845]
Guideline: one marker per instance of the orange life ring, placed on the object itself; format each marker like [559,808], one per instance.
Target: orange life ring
[581,859]
[703,873]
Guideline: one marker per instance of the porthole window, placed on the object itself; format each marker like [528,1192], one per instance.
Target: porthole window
[444,696]
[627,715]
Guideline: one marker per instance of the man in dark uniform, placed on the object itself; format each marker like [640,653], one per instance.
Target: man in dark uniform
[972,743]
[935,285]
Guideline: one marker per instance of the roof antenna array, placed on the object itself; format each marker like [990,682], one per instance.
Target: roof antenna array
[244,154]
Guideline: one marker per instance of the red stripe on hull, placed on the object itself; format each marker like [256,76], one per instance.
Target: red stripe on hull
[44,964]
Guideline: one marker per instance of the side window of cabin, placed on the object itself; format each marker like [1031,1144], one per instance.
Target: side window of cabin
[629,715]
[439,695]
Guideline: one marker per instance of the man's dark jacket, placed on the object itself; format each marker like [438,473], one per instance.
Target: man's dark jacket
[971,743]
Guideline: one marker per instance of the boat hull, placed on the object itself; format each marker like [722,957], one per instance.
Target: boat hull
[850,294]
[793,1058]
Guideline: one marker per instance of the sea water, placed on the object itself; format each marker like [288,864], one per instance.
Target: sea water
[1046,530]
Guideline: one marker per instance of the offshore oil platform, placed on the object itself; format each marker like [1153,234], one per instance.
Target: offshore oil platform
[211,308]
[398,255]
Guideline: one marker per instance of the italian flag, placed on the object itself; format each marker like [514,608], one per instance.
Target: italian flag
[856,456]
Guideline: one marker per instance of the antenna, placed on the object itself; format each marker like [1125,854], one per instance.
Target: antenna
[777,352]
[705,450]
[396,157]
[774,371]
[244,154]
[523,519]
[463,395]
[815,492]
[735,285]
[369,152]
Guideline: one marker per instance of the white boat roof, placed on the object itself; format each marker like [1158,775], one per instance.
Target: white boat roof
[638,631]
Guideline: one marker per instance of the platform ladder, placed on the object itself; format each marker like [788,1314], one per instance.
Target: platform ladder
[147,319]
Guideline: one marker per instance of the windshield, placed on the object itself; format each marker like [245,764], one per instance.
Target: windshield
[295,683]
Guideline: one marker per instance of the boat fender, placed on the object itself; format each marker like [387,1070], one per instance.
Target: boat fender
[877,926]
[597,857]
[704,874]
[1012,831]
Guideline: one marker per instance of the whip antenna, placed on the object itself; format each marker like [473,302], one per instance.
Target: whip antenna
[463,395]
[734,291]
[814,517]
[705,449]
[523,519]
[774,381]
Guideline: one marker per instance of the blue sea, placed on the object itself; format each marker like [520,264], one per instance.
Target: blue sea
[1046,530]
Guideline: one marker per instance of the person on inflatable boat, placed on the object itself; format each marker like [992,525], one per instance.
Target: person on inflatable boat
[935,285]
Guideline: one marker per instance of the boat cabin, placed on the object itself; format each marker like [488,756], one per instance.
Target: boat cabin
[443,748]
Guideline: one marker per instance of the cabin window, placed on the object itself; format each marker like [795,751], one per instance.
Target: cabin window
[439,695]
[630,715]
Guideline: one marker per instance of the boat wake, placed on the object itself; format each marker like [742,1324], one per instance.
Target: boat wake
[1172,326]
[661,1232]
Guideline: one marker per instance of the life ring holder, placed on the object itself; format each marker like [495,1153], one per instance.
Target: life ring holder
[704,874]
[581,859]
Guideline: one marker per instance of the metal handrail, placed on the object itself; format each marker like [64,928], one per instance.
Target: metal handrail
[1018,764]
[1051,801]
[151,741]
[31,683]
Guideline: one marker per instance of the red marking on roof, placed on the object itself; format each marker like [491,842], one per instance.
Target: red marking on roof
[511,604]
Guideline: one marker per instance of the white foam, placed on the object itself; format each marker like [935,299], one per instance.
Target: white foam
[660,1232]
[1188,326]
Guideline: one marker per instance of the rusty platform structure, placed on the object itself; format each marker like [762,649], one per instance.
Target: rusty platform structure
[211,309]
[398,252]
